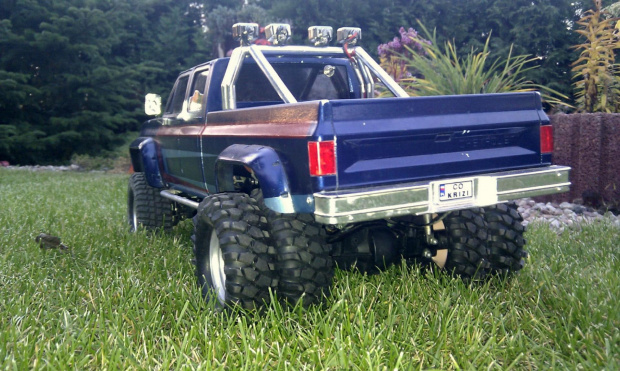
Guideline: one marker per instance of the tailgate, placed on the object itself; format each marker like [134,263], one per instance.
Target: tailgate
[382,141]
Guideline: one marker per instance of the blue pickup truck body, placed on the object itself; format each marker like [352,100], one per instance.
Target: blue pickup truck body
[379,142]
[295,136]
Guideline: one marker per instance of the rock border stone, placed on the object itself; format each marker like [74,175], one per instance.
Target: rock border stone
[561,216]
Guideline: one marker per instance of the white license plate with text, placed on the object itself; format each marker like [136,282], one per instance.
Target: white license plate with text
[455,190]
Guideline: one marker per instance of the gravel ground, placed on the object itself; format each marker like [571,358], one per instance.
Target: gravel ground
[45,168]
[561,216]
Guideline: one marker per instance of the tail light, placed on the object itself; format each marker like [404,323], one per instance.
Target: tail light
[322,158]
[546,139]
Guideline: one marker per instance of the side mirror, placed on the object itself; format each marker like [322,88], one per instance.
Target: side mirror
[152,104]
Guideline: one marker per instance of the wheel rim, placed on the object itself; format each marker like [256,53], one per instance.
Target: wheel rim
[134,216]
[133,210]
[440,258]
[216,262]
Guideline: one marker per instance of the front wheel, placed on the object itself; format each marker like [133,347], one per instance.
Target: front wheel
[147,208]
[234,260]
[304,262]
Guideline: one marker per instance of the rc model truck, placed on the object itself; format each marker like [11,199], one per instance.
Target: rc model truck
[294,160]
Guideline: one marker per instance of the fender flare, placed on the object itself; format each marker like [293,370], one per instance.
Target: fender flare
[144,158]
[268,169]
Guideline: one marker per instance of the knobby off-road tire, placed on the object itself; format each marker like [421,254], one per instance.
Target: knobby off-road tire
[234,259]
[304,262]
[147,208]
[466,235]
[505,240]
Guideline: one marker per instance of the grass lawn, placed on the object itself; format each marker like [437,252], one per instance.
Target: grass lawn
[117,300]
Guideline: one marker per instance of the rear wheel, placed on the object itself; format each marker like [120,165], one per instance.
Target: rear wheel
[147,208]
[304,263]
[234,260]
[465,236]
[505,241]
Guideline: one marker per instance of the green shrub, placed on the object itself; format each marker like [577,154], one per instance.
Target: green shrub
[597,74]
[437,70]
[116,161]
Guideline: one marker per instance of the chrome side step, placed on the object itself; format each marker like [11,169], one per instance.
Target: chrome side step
[179,199]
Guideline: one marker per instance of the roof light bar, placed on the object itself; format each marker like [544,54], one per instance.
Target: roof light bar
[320,35]
[246,33]
[278,33]
[349,34]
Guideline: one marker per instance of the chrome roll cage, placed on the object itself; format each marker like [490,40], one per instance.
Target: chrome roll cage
[363,65]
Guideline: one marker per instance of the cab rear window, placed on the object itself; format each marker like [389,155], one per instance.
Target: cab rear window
[305,81]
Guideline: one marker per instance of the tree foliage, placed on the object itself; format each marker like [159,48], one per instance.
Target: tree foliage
[73,73]
[219,22]
[540,28]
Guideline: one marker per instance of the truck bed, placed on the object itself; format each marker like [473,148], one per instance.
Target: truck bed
[385,141]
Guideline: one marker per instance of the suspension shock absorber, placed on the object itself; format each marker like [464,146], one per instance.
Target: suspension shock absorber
[430,237]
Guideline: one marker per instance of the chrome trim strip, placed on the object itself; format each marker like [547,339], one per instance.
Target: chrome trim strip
[300,49]
[368,214]
[530,189]
[539,191]
[349,206]
[179,199]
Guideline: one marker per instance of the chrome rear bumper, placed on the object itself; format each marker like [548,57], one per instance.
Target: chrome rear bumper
[356,205]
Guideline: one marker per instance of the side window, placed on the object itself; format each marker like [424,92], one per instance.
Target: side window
[175,103]
[197,98]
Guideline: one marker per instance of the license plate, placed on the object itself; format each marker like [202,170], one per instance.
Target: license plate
[455,190]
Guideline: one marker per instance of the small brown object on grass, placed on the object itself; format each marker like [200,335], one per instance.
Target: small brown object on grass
[47,241]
